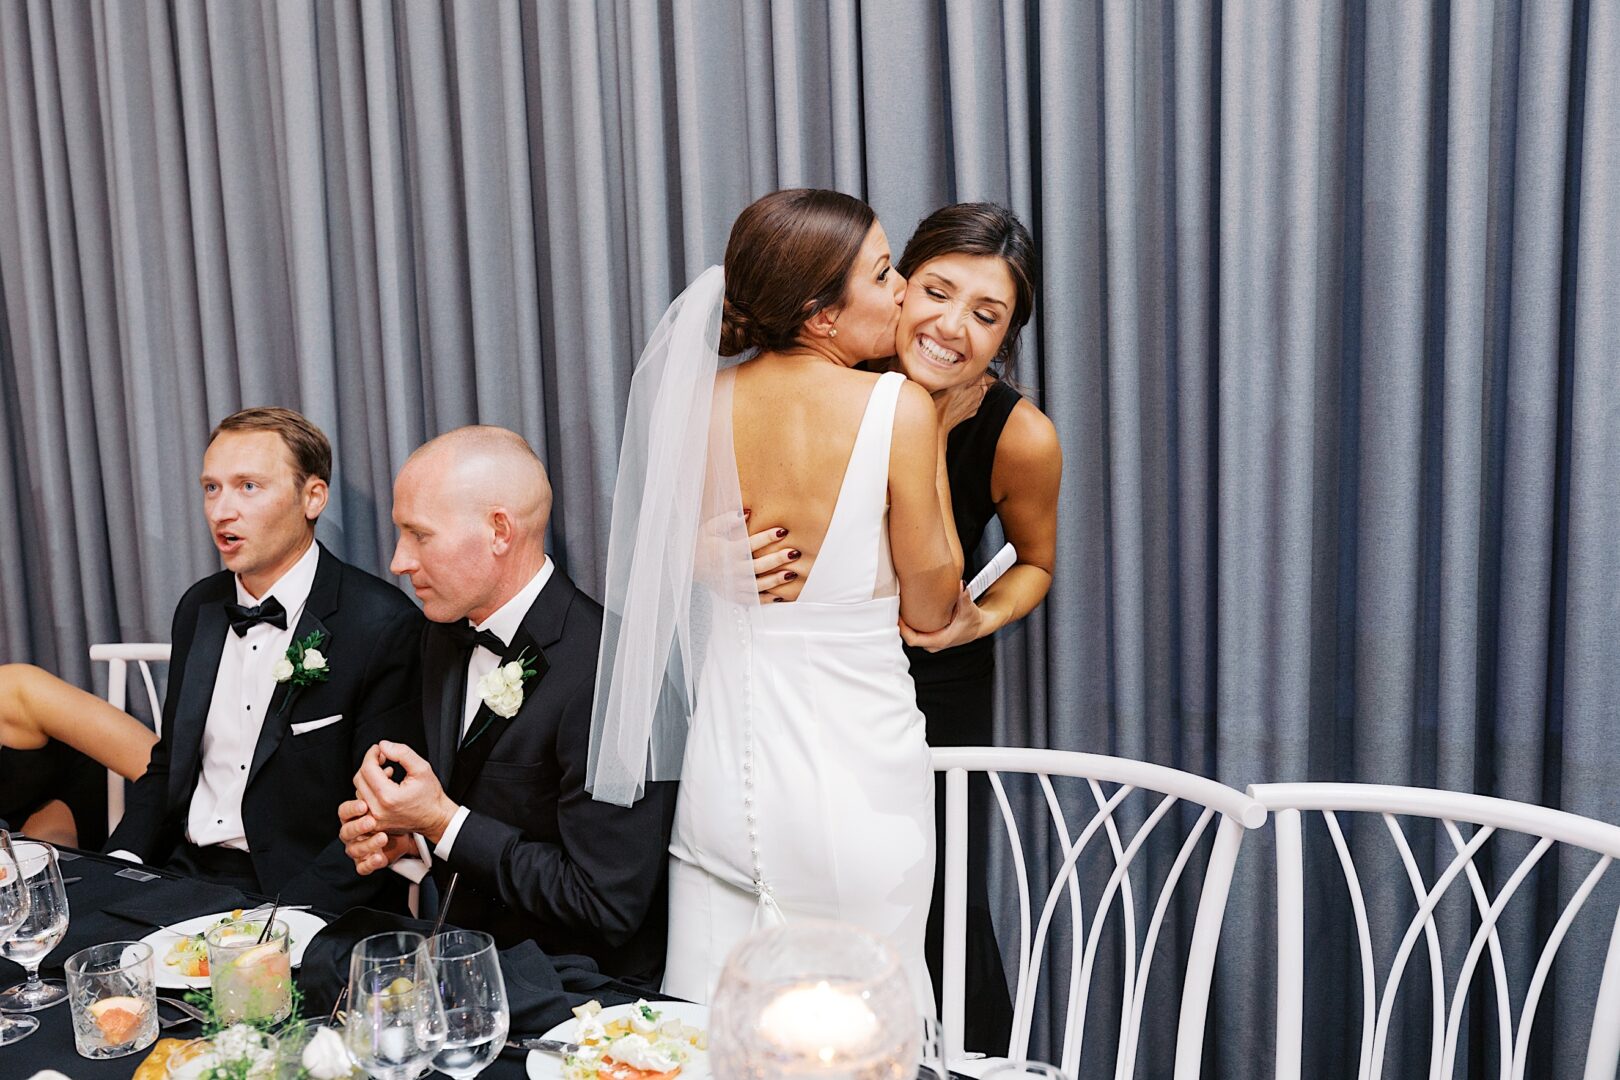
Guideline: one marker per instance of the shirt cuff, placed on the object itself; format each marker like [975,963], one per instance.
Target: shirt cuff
[414,868]
[410,868]
[448,840]
[127,856]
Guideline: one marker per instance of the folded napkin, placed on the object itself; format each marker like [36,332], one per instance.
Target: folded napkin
[541,990]
[165,901]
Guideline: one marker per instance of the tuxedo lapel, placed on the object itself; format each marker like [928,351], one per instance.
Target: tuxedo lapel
[541,628]
[444,698]
[196,694]
[321,604]
[488,726]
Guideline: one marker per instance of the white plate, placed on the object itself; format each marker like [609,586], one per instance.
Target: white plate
[300,924]
[549,1066]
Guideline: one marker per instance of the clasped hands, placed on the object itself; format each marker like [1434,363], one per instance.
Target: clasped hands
[378,823]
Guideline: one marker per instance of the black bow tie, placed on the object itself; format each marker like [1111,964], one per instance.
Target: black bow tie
[469,638]
[270,612]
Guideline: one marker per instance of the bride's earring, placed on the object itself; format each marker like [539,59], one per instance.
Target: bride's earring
[833,332]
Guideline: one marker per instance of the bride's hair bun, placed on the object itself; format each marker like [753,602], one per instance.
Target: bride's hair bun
[790,255]
[738,330]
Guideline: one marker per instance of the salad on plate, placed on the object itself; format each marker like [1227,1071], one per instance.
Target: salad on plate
[642,1045]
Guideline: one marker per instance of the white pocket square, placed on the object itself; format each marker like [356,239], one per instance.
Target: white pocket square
[315,725]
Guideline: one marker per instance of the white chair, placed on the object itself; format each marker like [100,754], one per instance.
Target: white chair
[118,657]
[1288,802]
[1237,813]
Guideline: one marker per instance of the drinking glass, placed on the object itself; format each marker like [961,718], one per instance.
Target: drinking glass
[15,903]
[395,1022]
[40,932]
[251,979]
[474,995]
[112,999]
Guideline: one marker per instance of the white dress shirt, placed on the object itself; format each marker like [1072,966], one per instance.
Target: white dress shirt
[504,624]
[243,687]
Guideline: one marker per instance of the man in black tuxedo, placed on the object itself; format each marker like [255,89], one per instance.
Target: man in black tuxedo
[508,670]
[286,667]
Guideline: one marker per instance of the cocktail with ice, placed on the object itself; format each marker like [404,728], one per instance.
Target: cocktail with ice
[251,978]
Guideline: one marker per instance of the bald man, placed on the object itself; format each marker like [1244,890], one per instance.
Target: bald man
[508,668]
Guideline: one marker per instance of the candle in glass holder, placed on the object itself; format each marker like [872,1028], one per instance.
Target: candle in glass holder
[813,999]
[819,1020]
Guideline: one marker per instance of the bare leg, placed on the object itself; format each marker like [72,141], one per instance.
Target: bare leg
[53,823]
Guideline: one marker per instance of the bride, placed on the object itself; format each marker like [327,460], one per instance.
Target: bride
[792,724]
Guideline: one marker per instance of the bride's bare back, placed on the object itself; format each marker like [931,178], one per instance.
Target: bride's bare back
[794,423]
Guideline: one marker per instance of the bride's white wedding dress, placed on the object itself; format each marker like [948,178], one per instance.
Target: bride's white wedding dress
[805,787]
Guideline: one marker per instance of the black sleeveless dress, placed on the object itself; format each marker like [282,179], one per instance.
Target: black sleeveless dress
[31,778]
[956,693]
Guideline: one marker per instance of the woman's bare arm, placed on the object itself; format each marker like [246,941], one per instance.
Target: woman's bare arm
[1025,479]
[922,536]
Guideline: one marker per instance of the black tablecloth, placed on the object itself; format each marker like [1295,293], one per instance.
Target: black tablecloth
[110,902]
[106,907]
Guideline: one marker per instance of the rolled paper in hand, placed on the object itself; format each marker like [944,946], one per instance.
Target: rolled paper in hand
[999,564]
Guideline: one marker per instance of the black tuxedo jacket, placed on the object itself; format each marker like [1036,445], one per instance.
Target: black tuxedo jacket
[538,857]
[295,782]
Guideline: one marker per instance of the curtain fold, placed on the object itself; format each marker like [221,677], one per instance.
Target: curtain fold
[1326,324]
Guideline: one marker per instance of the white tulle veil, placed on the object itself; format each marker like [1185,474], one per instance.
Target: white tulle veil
[680,580]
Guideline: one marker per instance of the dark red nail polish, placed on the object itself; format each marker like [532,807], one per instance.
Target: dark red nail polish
[790,575]
[794,554]
[781,533]
[776,599]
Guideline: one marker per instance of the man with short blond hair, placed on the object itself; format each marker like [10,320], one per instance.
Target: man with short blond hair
[285,667]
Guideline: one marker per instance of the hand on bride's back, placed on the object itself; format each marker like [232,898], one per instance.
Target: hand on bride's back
[774,568]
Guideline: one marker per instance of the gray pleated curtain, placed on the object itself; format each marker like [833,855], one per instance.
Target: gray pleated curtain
[1328,326]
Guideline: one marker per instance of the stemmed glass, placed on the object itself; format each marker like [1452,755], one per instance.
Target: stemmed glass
[43,929]
[395,1022]
[474,995]
[15,904]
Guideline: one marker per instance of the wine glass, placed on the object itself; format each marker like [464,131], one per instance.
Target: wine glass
[396,1020]
[40,932]
[474,995]
[15,904]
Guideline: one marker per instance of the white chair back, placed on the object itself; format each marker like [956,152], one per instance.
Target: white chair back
[1237,813]
[118,657]
[1447,809]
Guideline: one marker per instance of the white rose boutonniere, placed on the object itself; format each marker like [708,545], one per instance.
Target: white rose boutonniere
[304,662]
[502,689]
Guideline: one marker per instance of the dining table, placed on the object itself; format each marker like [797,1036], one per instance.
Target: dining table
[113,900]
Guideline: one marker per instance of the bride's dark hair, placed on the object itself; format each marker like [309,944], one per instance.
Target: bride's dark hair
[789,256]
[981,228]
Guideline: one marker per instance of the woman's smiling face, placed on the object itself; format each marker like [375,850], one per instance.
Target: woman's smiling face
[955,317]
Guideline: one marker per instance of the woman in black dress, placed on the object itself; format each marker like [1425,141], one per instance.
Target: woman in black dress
[970,271]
